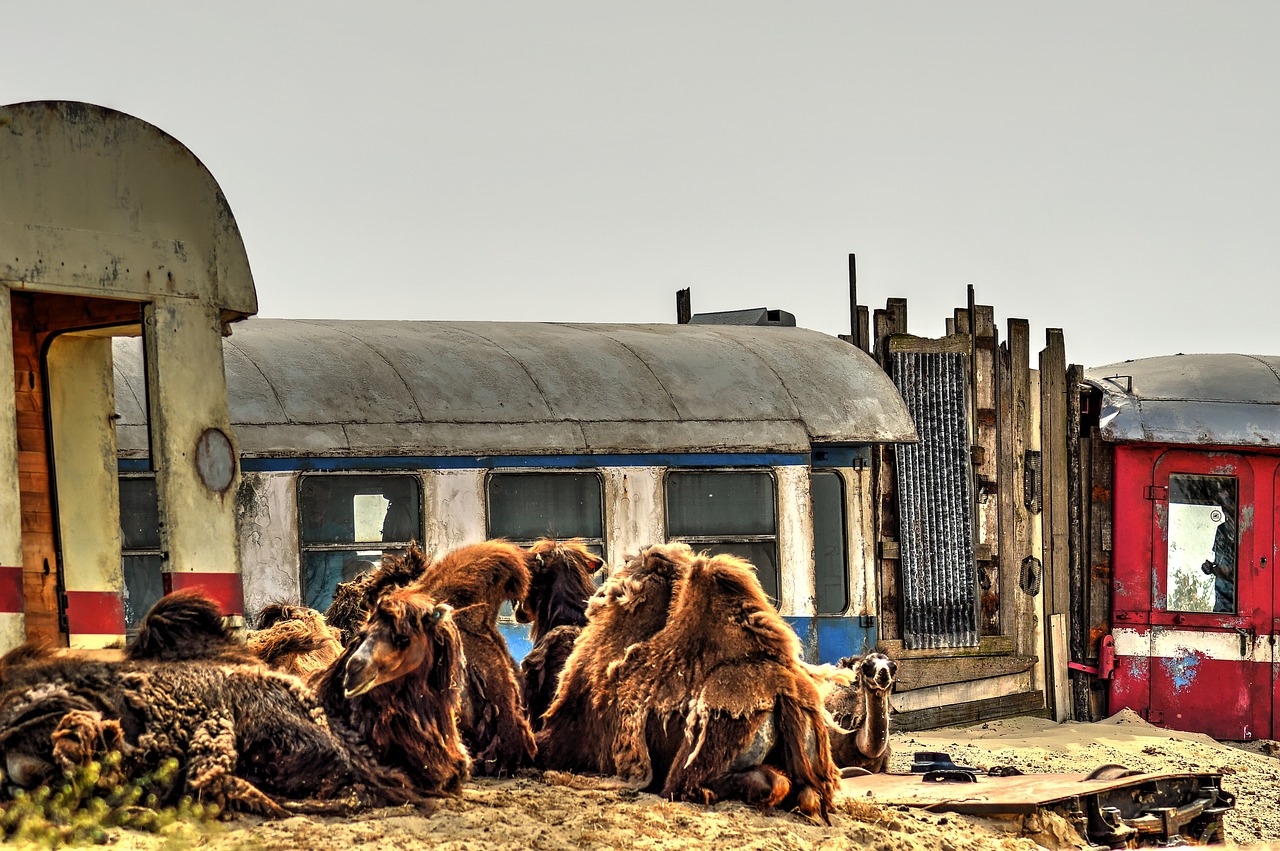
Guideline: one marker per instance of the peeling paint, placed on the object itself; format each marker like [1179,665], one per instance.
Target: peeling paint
[1182,671]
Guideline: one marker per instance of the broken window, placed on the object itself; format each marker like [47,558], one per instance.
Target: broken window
[1202,544]
[348,522]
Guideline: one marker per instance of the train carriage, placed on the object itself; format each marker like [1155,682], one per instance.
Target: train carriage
[1189,464]
[356,437]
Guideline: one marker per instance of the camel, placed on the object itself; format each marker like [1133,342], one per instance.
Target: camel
[476,580]
[398,685]
[556,610]
[583,720]
[246,738]
[729,669]
[859,706]
[295,640]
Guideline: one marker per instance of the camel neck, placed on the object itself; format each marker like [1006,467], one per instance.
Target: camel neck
[873,735]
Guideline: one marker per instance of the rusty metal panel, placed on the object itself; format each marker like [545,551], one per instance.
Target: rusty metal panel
[1209,399]
[935,503]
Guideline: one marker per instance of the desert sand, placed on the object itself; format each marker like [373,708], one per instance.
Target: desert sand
[566,812]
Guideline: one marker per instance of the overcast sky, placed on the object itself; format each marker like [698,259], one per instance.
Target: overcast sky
[1112,169]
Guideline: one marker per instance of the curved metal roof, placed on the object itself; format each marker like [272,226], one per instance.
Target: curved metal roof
[399,388]
[97,202]
[1214,399]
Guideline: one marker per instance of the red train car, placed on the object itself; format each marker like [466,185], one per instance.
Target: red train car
[1186,450]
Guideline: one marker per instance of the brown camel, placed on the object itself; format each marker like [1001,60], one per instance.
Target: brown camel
[859,705]
[556,609]
[729,669]
[583,720]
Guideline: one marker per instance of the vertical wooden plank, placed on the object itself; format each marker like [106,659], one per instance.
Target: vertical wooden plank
[985,468]
[1078,626]
[1054,516]
[1099,531]
[1018,607]
[39,554]
[891,320]
[864,328]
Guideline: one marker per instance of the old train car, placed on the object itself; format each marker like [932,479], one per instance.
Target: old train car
[110,227]
[359,436]
[1186,461]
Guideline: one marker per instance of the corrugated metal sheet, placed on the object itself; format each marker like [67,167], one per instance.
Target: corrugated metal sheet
[935,503]
[392,388]
[1208,399]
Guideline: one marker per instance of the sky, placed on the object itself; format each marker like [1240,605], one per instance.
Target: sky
[1110,169]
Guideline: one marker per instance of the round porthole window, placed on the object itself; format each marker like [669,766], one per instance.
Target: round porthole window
[215,460]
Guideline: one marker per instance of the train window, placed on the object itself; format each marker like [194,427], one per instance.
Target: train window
[826,490]
[526,506]
[140,548]
[347,522]
[727,511]
[1202,544]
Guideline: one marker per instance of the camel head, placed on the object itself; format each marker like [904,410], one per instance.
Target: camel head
[407,633]
[560,585]
[877,671]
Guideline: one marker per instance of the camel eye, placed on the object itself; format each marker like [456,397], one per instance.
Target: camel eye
[400,642]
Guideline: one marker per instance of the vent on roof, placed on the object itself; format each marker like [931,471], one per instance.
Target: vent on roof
[754,316]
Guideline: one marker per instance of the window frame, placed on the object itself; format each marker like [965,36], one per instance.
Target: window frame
[590,542]
[843,537]
[127,552]
[381,547]
[704,542]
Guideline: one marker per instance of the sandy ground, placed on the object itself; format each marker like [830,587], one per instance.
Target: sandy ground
[567,812]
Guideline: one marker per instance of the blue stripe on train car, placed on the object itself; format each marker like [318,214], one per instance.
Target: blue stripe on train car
[825,639]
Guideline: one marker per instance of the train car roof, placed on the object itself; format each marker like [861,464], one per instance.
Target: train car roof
[1211,399]
[402,388]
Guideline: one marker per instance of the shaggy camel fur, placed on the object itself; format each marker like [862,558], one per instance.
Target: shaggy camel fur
[295,640]
[556,609]
[245,737]
[476,580]
[583,720]
[355,598]
[398,686]
[728,668]
[858,702]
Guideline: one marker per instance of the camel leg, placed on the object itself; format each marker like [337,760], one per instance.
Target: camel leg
[211,763]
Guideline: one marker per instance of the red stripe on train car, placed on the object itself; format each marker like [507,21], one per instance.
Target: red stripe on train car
[225,588]
[11,590]
[95,613]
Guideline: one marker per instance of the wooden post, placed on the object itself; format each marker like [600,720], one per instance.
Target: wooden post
[986,467]
[1017,607]
[684,307]
[1055,518]
[854,324]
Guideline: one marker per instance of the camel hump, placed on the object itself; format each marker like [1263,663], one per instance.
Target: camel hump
[184,625]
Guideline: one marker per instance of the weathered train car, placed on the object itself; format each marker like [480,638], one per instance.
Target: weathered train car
[1181,608]
[109,227]
[359,436]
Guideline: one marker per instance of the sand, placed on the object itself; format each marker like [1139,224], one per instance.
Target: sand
[566,812]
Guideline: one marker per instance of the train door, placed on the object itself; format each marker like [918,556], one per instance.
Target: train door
[1211,608]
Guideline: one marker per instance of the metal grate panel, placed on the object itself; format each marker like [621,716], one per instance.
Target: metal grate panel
[935,503]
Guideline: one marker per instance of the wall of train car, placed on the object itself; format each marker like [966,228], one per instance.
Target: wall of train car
[455,514]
